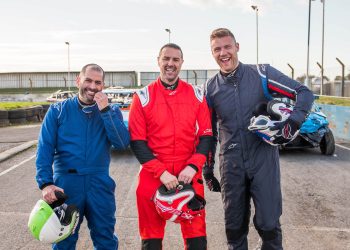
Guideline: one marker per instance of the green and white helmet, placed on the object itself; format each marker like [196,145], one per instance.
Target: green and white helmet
[52,225]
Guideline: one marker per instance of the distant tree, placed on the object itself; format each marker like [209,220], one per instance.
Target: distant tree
[338,78]
[347,77]
[303,77]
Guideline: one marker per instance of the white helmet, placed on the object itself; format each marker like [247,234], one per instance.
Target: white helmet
[178,204]
[279,111]
[261,125]
[52,225]
[274,112]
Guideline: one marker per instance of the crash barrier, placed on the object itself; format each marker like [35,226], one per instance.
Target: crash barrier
[4,121]
[338,117]
[339,120]
[23,115]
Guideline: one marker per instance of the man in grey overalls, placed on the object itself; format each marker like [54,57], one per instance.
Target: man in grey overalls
[249,167]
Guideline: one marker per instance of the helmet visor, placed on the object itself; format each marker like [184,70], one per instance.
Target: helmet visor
[260,122]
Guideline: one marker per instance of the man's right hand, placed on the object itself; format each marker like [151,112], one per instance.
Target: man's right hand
[169,180]
[211,181]
[48,193]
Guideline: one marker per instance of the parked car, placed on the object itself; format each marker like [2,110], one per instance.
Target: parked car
[314,133]
[125,114]
[60,95]
[120,96]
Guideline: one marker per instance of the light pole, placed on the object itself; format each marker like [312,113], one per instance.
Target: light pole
[68,80]
[290,66]
[168,30]
[323,3]
[256,9]
[308,47]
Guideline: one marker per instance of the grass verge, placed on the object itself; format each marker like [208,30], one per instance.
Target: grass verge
[33,90]
[333,101]
[17,105]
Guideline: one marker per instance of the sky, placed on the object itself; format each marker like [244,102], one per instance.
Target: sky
[126,35]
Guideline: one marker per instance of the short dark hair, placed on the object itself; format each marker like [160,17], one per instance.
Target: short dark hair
[221,32]
[171,45]
[94,67]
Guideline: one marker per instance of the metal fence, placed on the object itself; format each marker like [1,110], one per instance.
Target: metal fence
[196,77]
[27,80]
[333,88]
[60,79]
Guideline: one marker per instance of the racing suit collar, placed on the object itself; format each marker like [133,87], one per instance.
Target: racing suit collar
[170,91]
[86,108]
[233,77]
[170,87]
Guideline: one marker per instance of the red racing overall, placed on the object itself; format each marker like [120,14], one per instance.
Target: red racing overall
[171,122]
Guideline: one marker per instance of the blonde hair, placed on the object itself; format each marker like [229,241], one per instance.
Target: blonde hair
[221,32]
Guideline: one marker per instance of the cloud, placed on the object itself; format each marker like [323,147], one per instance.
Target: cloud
[202,3]
[71,33]
[243,5]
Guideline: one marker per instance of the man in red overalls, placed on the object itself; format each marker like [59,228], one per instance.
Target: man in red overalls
[170,130]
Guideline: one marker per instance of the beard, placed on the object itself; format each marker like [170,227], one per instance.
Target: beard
[85,97]
[169,77]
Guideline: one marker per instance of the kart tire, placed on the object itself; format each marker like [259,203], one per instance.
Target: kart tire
[4,114]
[327,144]
[4,122]
[44,111]
[17,114]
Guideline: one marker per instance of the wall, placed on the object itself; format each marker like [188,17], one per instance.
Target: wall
[339,120]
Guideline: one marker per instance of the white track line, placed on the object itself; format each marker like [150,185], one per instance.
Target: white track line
[17,165]
[315,228]
[341,146]
[301,227]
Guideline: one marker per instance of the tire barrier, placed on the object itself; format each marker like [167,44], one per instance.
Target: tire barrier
[24,115]
[45,109]
[4,114]
[4,122]
[17,116]
[4,118]
[34,113]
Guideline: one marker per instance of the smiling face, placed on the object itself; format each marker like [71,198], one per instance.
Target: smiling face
[170,62]
[224,50]
[89,83]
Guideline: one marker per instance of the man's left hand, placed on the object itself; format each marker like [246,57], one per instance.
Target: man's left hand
[101,100]
[286,131]
[186,175]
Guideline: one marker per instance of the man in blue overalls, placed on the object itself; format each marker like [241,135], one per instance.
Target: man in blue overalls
[76,136]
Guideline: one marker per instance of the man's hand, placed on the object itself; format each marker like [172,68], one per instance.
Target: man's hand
[286,132]
[48,193]
[186,175]
[211,181]
[101,99]
[169,180]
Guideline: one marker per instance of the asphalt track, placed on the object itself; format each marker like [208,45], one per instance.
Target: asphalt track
[316,201]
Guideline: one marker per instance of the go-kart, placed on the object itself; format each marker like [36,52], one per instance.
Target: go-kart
[314,133]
